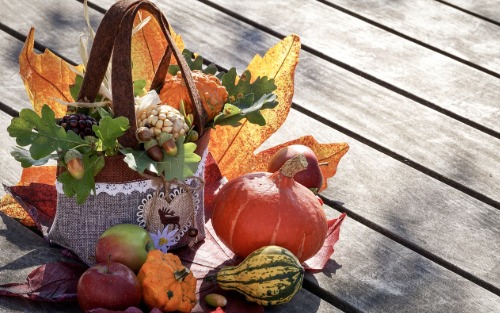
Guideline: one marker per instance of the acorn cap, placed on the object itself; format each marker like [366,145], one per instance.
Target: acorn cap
[151,143]
[72,154]
[164,137]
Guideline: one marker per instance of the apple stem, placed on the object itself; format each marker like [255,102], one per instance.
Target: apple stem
[108,263]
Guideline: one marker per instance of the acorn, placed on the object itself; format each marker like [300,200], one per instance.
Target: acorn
[154,150]
[144,134]
[74,163]
[216,300]
[167,141]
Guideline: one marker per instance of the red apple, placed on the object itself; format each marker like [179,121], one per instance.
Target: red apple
[128,244]
[110,286]
[311,177]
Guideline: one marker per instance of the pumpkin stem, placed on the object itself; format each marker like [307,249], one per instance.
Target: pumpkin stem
[181,274]
[294,165]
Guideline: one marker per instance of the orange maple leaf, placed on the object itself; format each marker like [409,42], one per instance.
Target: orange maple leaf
[46,77]
[148,46]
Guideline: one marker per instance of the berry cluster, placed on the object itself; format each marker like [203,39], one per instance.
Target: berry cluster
[80,124]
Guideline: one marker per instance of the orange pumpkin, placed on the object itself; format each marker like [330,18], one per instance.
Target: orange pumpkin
[213,95]
[166,283]
[261,209]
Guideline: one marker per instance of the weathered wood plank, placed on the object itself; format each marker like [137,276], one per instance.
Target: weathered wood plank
[401,125]
[459,34]
[385,56]
[358,93]
[407,203]
[10,168]
[486,8]
[411,130]
[13,92]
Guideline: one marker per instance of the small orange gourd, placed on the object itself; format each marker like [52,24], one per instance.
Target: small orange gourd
[212,93]
[166,283]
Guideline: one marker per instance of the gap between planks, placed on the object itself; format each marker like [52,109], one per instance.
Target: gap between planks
[370,77]
[359,138]
[456,7]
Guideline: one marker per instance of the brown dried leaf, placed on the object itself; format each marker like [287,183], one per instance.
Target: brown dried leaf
[46,77]
[227,143]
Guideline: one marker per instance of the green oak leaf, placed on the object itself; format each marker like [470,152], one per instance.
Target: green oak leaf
[23,156]
[42,133]
[252,112]
[194,63]
[138,160]
[182,165]
[81,188]
[244,86]
[108,131]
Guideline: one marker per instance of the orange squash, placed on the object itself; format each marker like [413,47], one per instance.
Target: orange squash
[166,283]
[213,94]
[262,209]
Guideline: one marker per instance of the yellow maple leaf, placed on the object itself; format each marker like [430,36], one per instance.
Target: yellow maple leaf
[233,147]
[46,77]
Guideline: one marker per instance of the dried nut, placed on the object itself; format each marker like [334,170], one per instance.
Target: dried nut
[216,300]
[74,163]
[167,141]
[154,150]
[144,134]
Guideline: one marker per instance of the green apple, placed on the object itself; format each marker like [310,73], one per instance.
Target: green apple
[128,244]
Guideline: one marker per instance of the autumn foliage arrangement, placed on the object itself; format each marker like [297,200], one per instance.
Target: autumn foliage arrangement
[238,113]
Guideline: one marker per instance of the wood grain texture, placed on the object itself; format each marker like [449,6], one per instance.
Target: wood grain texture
[486,8]
[401,124]
[400,63]
[460,34]
[413,131]
[10,168]
[13,92]
[407,203]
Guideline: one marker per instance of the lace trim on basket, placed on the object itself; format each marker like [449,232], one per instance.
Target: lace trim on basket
[114,189]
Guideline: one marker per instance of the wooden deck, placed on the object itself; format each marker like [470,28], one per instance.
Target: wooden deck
[413,86]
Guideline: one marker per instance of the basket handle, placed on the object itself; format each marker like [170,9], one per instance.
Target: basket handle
[114,35]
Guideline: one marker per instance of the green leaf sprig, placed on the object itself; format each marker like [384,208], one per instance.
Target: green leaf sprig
[47,140]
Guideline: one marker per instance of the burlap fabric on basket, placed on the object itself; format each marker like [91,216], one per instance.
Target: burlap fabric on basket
[123,195]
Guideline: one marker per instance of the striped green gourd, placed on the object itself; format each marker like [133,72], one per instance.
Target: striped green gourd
[269,275]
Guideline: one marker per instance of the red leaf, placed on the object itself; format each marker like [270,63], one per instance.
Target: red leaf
[318,262]
[39,201]
[52,282]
